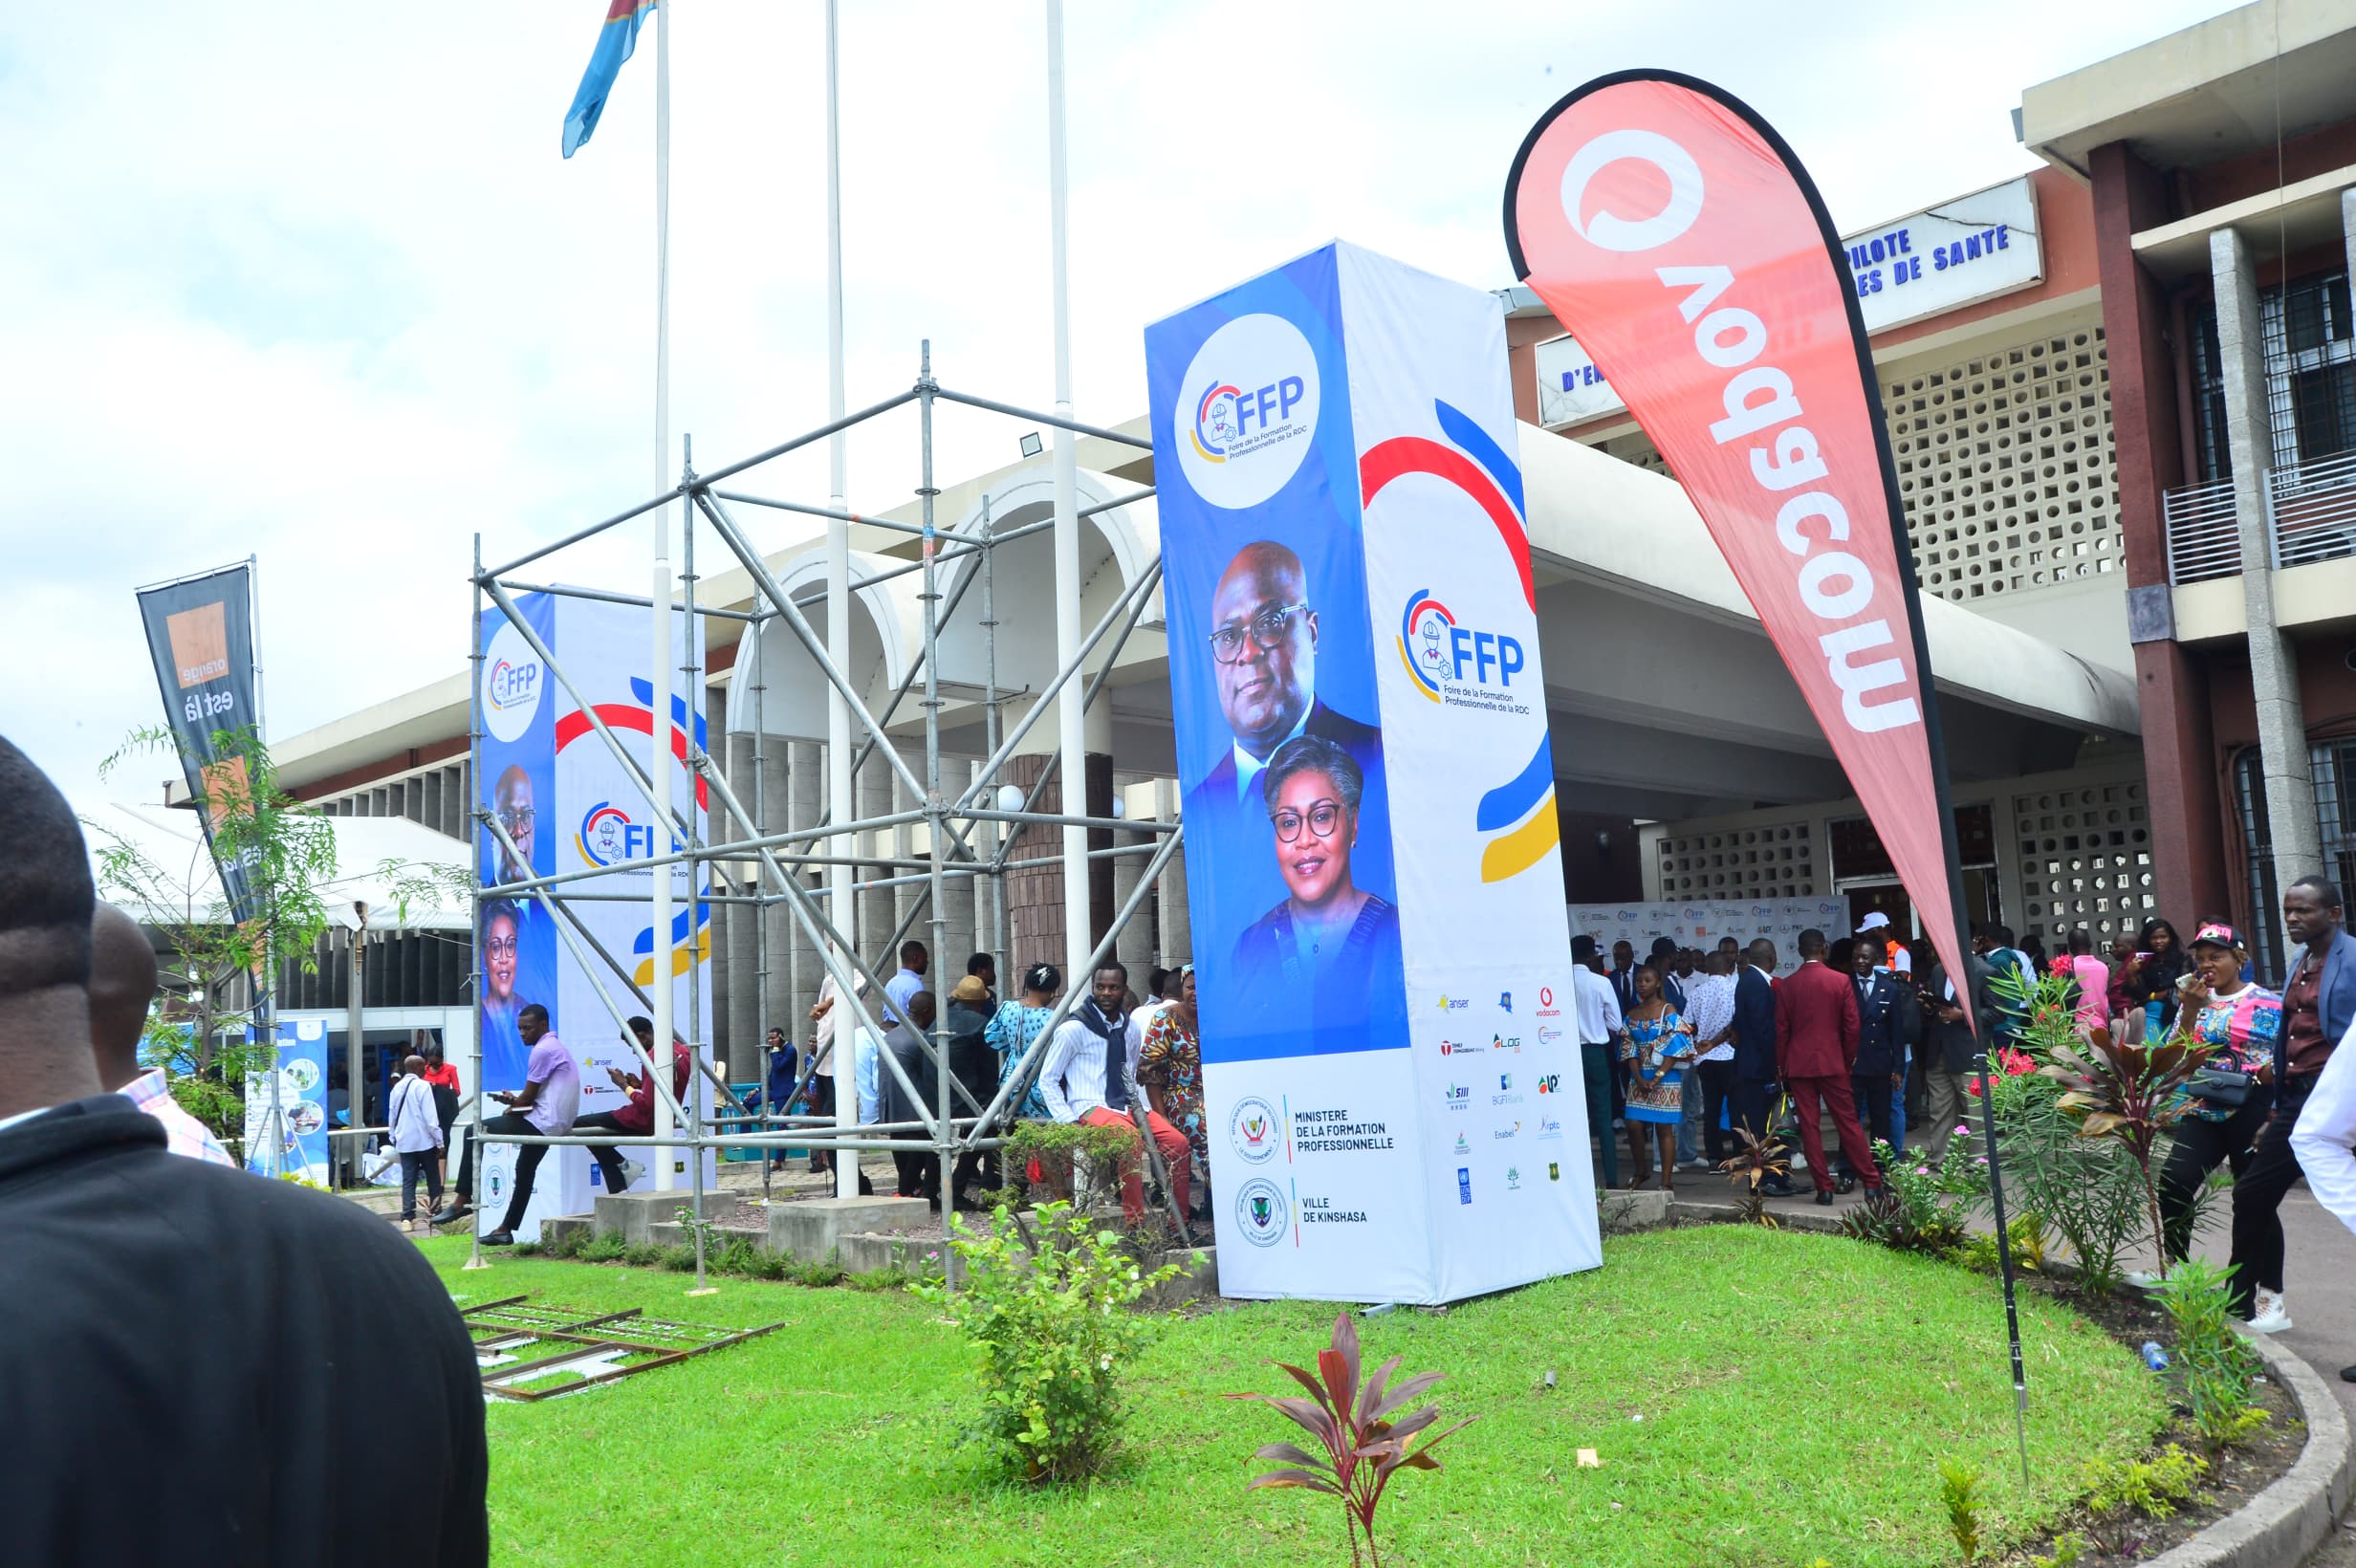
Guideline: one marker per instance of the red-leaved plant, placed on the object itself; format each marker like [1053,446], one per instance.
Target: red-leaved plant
[1366,1438]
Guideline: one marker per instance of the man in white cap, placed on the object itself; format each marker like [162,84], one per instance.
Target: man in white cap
[1875,929]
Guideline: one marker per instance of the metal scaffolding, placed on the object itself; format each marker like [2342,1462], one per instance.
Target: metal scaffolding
[951,1123]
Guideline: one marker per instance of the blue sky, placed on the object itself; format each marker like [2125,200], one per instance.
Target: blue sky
[311,282]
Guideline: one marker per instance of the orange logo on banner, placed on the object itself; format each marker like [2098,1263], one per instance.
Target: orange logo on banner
[227,788]
[200,643]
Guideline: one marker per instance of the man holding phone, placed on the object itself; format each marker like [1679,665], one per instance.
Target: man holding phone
[543,1108]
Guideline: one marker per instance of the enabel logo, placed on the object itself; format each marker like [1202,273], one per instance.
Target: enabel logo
[1247,411]
[1260,1212]
[1251,1129]
[1501,1134]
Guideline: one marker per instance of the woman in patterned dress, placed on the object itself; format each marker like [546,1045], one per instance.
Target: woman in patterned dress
[1014,1029]
[2239,1021]
[1658,1047]
[1169,1069]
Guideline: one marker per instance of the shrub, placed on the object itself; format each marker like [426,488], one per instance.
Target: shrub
[1051,1318]
[1923,1208]
[2119,1492]
[2213,1361]
[1059,1146]
[1758,1161]
[1959,1494]
[1363,1435]
[2088,1190]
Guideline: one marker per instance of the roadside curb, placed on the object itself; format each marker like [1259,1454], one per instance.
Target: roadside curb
[2290,1518]
[2279,1526]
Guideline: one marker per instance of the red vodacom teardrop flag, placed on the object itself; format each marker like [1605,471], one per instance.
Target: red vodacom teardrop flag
[1678,239]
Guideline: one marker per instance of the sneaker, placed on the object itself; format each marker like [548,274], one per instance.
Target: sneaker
[2270,1314]
[2144,1279]
[1696,1163]
[499,1238]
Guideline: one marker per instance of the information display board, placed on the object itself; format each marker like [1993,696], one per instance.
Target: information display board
[1371,841]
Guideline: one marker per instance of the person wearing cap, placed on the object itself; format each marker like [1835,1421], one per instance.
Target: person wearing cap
[975,1065]
[2240,1023]
[1600,1023]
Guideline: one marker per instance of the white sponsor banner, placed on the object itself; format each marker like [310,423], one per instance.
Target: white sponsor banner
[1702,923]
[1943,258]
[1354,651]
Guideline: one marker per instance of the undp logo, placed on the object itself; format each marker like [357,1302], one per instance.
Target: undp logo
[1247,410]
[1260,1212]
[1252,1130]
[511,684]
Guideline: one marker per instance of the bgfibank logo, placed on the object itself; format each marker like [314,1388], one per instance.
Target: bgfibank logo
[1247,410]
[511,683]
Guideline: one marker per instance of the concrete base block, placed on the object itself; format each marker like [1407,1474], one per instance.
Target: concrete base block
[863,1254]
[1200,1280]
[566,1225]
[631,1215]
[815,1229]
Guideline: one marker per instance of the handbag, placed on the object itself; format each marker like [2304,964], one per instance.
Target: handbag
[2220,1086]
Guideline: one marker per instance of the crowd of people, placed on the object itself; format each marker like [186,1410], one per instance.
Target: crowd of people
[1115,1060]
[1875,1037]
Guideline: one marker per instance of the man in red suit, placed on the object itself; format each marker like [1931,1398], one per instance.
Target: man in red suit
[1816,1047]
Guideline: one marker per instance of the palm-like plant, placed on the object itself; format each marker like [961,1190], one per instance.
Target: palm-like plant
[2127,1092]
[1364,1438]
[1761,1160]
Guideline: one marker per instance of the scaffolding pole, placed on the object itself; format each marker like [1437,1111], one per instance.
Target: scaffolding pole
[970,829]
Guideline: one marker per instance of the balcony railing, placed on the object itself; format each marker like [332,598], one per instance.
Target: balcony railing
[2203,539]
[2313,510]
[2310,509]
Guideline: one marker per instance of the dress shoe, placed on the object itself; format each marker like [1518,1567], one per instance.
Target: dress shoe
[499,1238]
[1779,1189]
[458,1210]
[1848,1184]
[1824,1197]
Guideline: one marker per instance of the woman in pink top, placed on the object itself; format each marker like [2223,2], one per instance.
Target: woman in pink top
[2093,977]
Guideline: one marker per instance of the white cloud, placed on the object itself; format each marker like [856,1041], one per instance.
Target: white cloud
[312,281]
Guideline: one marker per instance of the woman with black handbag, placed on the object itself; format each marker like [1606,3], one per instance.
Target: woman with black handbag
[2239,1021]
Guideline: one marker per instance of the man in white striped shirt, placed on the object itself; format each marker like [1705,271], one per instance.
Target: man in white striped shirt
[1077,1087]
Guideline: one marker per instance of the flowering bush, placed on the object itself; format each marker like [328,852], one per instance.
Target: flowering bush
[1924,1208]
[2006,1062]
[1051,1317]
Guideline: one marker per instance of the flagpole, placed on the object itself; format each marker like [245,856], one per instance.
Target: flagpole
[839,631]
[1072,736]
[660,731]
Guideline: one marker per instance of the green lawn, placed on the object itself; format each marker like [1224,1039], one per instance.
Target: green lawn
[1756,1399]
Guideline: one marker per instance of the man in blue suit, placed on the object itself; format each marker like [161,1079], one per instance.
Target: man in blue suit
[2319,1003]
[1756,1073]
[1885,1021]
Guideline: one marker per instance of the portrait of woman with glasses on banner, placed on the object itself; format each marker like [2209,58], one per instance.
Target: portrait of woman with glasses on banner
[1326,957]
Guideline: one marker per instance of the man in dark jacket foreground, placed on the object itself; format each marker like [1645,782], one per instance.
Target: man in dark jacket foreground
[202,1366]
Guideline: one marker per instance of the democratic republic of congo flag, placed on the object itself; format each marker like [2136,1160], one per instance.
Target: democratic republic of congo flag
[617,40]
